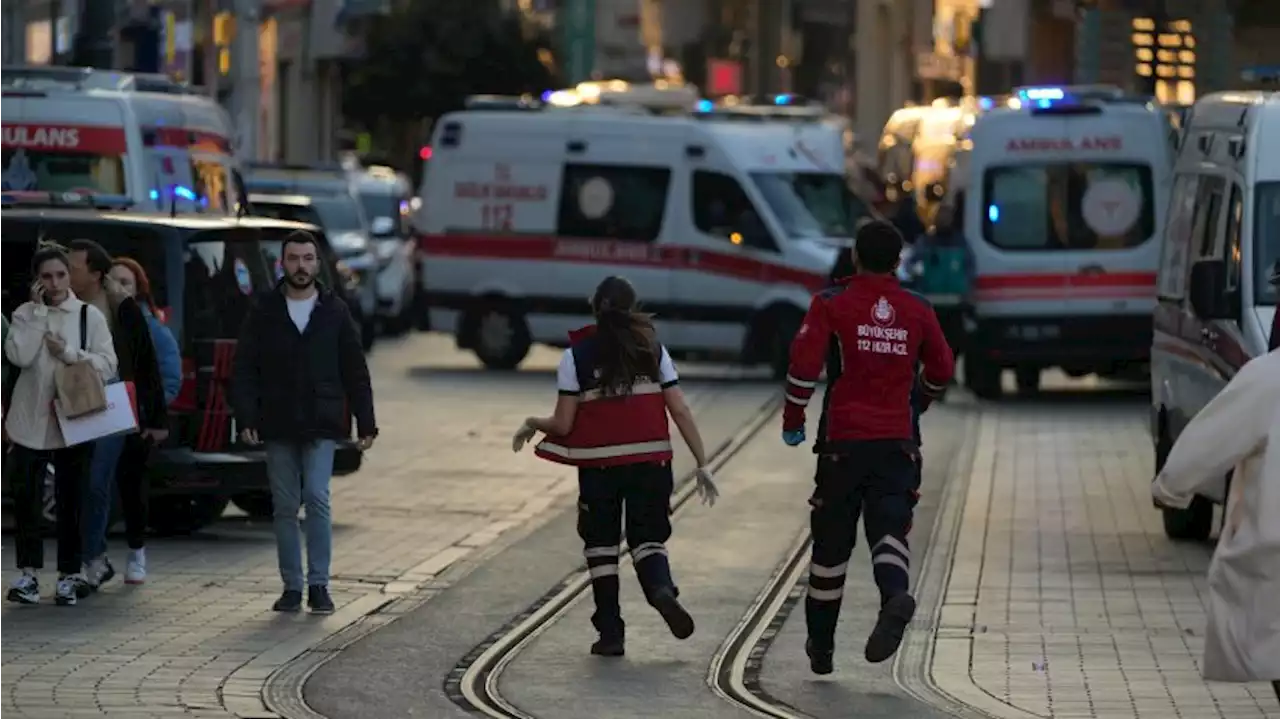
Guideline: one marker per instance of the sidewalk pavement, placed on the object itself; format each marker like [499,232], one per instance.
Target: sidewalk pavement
[1065,598]
[199,638]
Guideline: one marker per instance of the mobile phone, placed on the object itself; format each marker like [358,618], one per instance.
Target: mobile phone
[44,295]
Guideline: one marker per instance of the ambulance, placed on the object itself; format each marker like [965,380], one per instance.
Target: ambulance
[1067,194]
[725,228]
[109,133]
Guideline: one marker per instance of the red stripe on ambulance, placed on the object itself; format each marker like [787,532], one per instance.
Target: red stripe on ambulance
[66,138]
[542,248]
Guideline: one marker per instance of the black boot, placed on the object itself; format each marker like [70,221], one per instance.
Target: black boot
[609,646]
[673,613]
[892,623]
[820,660]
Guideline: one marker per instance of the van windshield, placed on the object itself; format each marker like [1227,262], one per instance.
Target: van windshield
[87,172]
[808,204]
[1266,241]
[1068,206]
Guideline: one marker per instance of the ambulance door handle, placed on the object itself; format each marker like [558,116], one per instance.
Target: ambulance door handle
[576,146]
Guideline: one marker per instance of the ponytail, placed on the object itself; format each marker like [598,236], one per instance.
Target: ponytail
[629,350]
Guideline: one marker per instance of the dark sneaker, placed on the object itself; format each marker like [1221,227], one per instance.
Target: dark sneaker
[820,660]
[69,589]
[97,573]
[677,619]
[609,647]
[289,601]
[886,637]
[318,600]
[25,590]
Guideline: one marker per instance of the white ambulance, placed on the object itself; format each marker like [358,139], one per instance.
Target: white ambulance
[1067,195]
[117,134]
[725,228]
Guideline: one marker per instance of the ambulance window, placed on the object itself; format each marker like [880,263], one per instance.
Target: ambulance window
[1177,245]
[1068,206]
[1266,242]
[721,208]
[1233,253]
[613,202]
[1208,211]
[62,171]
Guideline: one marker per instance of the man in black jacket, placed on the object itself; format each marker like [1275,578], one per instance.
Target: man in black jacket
[122,458]
[299,375]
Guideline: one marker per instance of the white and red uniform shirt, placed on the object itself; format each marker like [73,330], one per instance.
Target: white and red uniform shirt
[610,430]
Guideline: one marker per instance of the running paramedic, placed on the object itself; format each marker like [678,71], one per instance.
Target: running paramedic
[867,450]
[617,384]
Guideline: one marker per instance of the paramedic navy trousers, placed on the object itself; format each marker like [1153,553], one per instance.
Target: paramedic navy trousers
[642,494]
[880,482]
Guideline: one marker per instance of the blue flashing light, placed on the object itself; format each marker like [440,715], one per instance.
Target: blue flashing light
[986,103]
[705,106]
[184,193]
[546,96]
[1042,103]
[155,194]
[993,213]
[1042,93]
[782,99]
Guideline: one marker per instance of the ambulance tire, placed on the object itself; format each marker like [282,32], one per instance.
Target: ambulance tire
[498,356]
[1193,524]
[982,377]
[1028,378]
[778,327]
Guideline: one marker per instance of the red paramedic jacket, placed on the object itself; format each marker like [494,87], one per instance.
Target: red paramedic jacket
[610,431]
[882,334]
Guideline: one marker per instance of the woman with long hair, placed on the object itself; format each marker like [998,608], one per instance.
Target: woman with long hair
[617,385]
[54,329]
[121,462]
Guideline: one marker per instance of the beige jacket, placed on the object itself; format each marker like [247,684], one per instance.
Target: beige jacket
[1240,428]
[30,421]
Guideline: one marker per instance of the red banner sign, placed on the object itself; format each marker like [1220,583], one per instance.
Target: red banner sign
[66,138]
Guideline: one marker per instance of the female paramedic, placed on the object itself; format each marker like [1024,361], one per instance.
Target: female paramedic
[617,384]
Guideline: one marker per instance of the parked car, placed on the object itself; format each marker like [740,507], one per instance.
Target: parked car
[204,271]
[386,197]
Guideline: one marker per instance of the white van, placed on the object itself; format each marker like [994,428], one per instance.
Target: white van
[117,134]
[1066,197]
[1221,246]
[725,228]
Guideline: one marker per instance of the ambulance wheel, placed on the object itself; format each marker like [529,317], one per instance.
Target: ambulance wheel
[1028,377]
[982,377]
[1193,524]
[781,326]
[499,335]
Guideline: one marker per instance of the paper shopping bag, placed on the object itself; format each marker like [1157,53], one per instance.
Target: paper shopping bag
[119,417]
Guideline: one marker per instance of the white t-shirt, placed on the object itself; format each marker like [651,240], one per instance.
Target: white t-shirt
[300,310]
[567,373]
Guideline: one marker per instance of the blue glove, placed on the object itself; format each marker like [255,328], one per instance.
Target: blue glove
[793,437]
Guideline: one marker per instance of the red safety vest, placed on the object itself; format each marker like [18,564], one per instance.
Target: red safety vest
[610,431]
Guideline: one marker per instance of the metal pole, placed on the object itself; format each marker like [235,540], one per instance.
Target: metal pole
[94,44]
[246,77]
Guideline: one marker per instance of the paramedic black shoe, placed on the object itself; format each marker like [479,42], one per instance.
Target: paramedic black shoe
[677,619]
[290,601]
[609,647]
[820,660]
[890,626]
[318,600]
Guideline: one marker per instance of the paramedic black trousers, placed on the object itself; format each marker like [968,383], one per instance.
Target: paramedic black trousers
[641,493]
[879,481]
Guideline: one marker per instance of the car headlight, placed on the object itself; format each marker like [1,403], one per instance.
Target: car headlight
[350,242]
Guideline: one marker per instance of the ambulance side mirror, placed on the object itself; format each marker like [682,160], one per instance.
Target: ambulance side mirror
[1210,298]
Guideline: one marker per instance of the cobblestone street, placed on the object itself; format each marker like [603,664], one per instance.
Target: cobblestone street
[199,638]
[1065,598]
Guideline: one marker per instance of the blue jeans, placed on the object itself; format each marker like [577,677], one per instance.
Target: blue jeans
[299,473]
[96,518]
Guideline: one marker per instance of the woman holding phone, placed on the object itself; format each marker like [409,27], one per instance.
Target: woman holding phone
[53,329]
